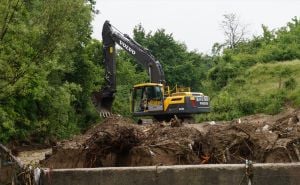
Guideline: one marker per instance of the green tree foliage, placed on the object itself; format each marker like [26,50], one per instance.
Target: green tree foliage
[44,45]
[221,74]
[276,45]
[181,67]
[272,45]
[88,73]
[240,85]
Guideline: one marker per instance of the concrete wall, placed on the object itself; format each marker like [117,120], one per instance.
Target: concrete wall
[264,174]
[6,174]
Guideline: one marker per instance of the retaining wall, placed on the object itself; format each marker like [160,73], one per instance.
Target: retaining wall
[229,174]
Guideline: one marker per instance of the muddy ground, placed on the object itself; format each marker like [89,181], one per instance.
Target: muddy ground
[120,142]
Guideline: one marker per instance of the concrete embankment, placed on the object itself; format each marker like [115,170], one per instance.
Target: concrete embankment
[229,174]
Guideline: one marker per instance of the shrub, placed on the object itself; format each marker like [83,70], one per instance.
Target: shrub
[290,84]
[272,103]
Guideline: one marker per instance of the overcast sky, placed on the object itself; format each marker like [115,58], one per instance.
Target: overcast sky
[194,22]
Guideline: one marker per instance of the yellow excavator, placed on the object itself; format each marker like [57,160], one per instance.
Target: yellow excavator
[153,98]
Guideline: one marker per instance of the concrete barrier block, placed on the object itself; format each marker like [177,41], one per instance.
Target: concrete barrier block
[224,174]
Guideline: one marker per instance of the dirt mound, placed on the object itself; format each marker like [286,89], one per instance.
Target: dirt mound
[119,142]
[167,145]
[261,138]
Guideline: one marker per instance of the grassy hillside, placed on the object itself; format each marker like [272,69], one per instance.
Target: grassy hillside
[263,88]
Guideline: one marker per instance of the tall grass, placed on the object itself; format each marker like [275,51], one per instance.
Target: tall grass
[263,88]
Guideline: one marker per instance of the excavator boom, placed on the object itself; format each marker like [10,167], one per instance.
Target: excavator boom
[104,98]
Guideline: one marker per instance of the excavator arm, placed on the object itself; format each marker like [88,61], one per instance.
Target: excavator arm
[110,37]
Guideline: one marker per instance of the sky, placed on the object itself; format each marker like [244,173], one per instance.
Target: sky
[193,22]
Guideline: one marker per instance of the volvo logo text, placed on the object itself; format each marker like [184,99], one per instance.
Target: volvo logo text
[127,47]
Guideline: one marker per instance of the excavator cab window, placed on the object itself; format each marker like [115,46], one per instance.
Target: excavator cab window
[147,98]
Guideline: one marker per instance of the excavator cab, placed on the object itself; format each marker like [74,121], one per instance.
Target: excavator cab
[147,98]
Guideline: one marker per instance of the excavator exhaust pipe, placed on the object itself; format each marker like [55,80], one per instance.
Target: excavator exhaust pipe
[103,103]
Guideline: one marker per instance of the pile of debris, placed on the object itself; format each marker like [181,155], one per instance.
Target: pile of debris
[119,142]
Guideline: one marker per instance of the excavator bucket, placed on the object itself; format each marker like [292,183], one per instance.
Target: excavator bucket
[103,102]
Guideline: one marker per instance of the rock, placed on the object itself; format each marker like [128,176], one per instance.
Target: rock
[293,120]
[265,128]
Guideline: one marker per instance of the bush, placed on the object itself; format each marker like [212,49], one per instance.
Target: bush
[246,105]
[295,98]
[273,103]
[290,84]
[239,81]
[221,74]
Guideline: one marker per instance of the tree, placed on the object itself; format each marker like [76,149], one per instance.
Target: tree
[221,74]
[10,7]
[217,49]
[233,29]
[181,67]
[42,46]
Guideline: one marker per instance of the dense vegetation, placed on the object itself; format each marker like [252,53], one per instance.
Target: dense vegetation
[254,77]
[263,88]
[50,65]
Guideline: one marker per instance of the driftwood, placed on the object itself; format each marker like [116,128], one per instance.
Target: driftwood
[12,171]
[119,142]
